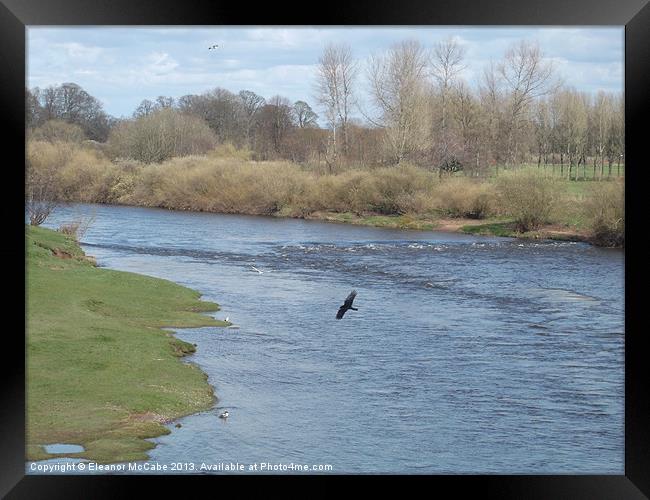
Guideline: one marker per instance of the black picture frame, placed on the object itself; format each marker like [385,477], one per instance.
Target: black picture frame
[15,15]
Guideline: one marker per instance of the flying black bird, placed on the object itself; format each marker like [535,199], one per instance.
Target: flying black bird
[347,305]
[213,47]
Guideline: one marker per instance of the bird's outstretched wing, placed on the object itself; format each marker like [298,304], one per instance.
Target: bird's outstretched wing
[350,298]
[346,305]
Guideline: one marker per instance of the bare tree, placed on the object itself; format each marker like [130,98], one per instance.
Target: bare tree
[40,200]
[446,65]
[164,101]
[33,111]
[49,105]
[275,122]
[492,106]
[466,114]
[222,110]
[526,76]
[43,164]
[145,108]
[615,150]
[601,117]
[305,116]
[70,103]
[251,103]
[161,135]
[574,120]
[337,71]
[543,131]
[399,90]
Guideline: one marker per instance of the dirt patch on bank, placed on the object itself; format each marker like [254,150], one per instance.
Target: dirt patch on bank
[61,254]
[455,225]
[563,233]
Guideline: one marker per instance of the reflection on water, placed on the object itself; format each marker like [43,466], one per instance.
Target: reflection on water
[467,355]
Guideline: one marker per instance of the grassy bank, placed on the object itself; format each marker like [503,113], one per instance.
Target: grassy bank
[101,371]
[509,229]
[423,222]
[496,226]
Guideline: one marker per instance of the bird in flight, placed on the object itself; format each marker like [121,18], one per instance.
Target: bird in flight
[213,47]
[256,269]
[347,305]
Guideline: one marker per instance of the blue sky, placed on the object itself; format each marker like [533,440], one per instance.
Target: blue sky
[121,66]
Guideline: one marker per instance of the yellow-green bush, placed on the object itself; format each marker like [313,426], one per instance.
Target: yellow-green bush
[160,136]
[464,197]
[604,210]
[529,197]
[57,131]
[87,177]
[218,185]
[44,164]
[229,150]
[393,187]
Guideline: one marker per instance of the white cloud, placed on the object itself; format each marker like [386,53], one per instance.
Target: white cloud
[86,72]
[160,63]
[277,37]
[79,51]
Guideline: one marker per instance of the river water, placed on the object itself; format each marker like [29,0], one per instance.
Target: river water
[468,354]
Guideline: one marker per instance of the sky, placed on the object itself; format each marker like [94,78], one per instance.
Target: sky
[121,66]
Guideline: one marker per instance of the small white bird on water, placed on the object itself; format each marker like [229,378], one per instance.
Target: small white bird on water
[224,414]
[256,269]
[227,319]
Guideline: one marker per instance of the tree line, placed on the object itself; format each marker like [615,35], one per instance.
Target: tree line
[409,104]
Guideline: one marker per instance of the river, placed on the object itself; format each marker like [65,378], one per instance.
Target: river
[468,354]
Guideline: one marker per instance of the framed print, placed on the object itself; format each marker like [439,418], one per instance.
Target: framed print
[378,241]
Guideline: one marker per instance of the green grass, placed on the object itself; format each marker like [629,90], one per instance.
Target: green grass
[418,222]
[508,229]
[559,172]
[100,370]
[492,229]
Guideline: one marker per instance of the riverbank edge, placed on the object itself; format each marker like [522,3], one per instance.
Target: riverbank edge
[499,227]
[125,437]
[493,226]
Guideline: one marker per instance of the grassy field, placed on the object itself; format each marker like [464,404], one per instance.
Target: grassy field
[562,172]
[101,372]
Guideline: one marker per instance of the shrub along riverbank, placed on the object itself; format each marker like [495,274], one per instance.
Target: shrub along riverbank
[521,202]
[101,371]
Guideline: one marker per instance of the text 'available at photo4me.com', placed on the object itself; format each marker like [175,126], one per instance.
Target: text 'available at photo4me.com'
[174,467]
